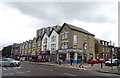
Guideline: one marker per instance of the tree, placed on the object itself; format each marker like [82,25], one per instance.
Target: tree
[6,51]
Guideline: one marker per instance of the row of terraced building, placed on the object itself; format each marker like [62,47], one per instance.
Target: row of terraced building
[64,42]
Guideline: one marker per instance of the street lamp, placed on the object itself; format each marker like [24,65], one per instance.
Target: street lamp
[84,54]
[111,51]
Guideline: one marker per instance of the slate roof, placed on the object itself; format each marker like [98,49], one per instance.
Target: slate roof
[98,40]
[57,28]
[78,29]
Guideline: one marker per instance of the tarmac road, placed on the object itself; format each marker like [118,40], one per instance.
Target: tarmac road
[33,69]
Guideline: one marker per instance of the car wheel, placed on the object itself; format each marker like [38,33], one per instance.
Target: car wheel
[18,65]
[106,64]
[11,65]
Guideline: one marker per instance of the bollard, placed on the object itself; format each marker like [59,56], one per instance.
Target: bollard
[101,65]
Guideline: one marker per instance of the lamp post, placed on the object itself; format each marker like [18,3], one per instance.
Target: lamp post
[111,52]
[84,53]
[111,55]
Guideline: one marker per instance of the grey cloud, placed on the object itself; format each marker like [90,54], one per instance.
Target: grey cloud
[83,11]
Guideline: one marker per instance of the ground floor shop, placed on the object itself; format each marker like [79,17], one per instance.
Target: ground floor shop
[74,54]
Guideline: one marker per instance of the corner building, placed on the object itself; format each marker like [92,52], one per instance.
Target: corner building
[75,43]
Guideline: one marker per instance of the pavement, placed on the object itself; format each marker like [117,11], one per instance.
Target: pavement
[95,67]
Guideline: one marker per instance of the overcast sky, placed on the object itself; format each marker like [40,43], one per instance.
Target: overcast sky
[20,20]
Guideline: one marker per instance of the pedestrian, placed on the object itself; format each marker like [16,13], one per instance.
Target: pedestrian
[81,63]
[78,60]
[60,61]
[30,59]
[92,62]
[71,61]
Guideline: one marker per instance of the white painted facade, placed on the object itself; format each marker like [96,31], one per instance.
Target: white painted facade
[54,40]
[45,42]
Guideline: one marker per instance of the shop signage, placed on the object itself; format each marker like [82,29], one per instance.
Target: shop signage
[45,52]
[38,54]
[70,50]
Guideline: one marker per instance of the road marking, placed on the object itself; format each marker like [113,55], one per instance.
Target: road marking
[11,73]
[45,69]
[82,68]
[9,68]
[20,72]
[28,71]
[5,74]
[51,70]
[4,69]
[70,74]
[14,67]
[18,67]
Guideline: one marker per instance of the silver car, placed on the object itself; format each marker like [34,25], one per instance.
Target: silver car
[9,62]
[115,62]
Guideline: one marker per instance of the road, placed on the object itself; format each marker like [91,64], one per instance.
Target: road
[34,69]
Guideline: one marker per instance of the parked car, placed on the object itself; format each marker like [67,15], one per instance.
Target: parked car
[22,59]
[101,60]
[9,62]
[92,61]
[115,62]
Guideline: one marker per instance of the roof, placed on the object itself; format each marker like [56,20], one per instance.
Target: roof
[99,40]
[48,30]
[56,29]
[38,38]
[78,29]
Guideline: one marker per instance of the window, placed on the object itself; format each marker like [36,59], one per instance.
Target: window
[85,36]
[64,45]
[53,38]
[64,35]
[45,47]
[85,46]
[53,46]
[45,41]
[74,39]
[103,49]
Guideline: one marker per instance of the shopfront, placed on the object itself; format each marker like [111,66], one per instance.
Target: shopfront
[53,56]
[45,56]
[23,57]
[68,54]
